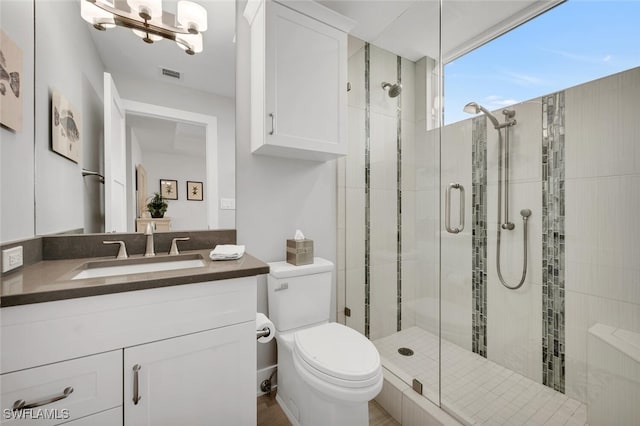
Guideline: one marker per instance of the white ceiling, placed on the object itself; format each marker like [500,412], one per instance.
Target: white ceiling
[213,70]
[409,28]
[168,136]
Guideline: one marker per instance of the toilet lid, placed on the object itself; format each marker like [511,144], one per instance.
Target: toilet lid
[338,351]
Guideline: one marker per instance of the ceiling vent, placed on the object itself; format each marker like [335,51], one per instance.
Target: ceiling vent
[171,73]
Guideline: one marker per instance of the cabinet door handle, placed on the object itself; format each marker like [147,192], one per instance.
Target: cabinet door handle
[21,404]
[273,123]
[136,393]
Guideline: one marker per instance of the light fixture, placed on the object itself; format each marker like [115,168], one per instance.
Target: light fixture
[148,21]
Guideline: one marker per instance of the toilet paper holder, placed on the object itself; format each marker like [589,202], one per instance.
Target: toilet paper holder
[262,333]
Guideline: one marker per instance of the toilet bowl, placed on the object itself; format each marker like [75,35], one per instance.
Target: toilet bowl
[327,372]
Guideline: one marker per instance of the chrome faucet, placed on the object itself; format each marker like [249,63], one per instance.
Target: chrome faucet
[122,251]
[149,233]
[174,245]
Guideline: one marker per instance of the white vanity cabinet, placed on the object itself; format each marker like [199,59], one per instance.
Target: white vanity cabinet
[194,345]
[298,79]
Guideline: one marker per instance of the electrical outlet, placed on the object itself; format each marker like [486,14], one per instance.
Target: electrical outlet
[11,258]
[227,203]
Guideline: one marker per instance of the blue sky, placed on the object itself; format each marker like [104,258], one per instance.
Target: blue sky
[576,42]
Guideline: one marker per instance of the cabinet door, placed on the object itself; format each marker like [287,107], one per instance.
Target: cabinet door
[199,379]
[306,83]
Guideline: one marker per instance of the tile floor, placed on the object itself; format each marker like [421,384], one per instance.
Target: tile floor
[474,389]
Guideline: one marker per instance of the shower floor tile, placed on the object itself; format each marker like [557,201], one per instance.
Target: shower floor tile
[474,389]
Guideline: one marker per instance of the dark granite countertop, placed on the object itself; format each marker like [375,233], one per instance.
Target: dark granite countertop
[50,280]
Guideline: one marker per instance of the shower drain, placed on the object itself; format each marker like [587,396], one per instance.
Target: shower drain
[405,351]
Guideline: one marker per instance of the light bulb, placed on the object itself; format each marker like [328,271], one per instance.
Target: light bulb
[191,43]
[192,16]
[99,18]
[147,9]
[148,37]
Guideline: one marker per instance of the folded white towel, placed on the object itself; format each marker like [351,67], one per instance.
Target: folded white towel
[226,252]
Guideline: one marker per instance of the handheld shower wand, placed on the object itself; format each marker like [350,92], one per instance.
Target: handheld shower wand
[474,108]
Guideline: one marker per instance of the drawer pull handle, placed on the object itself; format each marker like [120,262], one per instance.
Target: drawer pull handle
[21,404]
[136,393]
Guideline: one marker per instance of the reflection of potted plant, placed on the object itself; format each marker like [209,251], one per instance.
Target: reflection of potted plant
[157,206]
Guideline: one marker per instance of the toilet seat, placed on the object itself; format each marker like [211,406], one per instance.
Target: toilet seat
[338,355]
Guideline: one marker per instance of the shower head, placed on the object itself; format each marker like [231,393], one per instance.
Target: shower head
[472,108]
[475,108]
[394,89]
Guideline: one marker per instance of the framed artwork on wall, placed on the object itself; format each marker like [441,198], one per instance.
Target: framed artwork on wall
[10,86]
[66,130]
[194,191]
[169,189]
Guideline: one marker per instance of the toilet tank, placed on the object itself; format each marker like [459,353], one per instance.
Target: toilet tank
[299,296]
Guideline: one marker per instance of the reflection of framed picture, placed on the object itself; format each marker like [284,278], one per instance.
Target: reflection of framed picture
[194,191]
[66,129]
[10,86]
[169,189]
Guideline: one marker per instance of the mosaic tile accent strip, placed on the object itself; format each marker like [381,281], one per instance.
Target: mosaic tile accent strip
[479,236]
[399,200]
[553,248]
[367,191]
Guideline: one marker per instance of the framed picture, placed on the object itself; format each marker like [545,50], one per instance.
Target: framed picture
[194,191]
[169,189]
[65,128]
[10,87]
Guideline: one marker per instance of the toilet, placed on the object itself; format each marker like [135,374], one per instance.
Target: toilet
[327,372]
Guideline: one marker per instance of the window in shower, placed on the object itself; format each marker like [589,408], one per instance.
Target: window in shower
[575,42]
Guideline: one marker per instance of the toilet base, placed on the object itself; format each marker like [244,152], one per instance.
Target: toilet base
[326,414]
[293,419]
[305,406]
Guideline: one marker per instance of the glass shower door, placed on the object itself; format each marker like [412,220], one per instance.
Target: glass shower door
[388,226]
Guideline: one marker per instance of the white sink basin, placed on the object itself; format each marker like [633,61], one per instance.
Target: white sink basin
[111,268]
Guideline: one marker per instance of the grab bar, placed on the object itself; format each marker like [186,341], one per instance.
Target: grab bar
[447,207]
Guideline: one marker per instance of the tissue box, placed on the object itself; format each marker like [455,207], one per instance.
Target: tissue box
[300,252]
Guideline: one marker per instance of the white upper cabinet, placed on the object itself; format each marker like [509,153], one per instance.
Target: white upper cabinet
[298,80]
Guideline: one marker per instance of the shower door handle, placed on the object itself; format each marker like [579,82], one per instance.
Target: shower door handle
[447,208]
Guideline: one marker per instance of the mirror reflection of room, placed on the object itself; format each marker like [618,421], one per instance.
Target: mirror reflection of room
[159,75]
[162,149]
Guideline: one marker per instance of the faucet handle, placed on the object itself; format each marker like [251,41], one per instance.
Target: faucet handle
[150,228]
[174,245]
[122,252]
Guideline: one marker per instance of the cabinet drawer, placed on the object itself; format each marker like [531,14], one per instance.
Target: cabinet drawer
[96,382]
[112,417]
[73,328]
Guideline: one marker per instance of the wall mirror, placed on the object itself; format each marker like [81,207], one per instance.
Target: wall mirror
[179,115]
